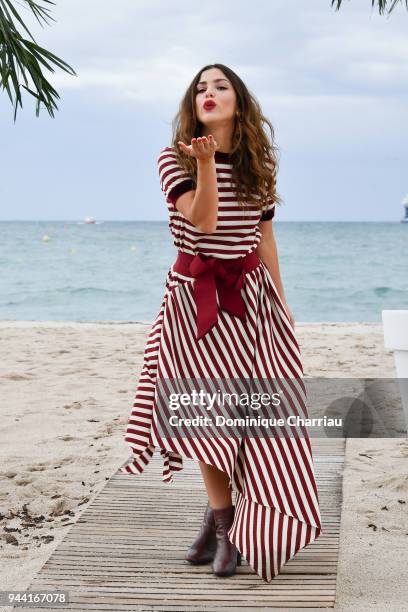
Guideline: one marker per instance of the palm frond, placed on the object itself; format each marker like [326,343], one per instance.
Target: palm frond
[21,58]
[382,5]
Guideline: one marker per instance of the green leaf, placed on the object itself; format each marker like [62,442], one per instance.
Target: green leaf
[23,59]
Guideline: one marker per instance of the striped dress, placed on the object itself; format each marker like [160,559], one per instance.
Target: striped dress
[277,508]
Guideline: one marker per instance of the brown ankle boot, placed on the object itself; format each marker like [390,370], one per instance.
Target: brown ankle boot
[227,556]
[203,548]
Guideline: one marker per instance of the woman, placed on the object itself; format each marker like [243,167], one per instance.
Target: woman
[224,315]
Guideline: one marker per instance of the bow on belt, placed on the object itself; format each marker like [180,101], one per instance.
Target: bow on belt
[213,276]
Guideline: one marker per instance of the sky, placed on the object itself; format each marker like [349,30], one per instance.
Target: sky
[333,84]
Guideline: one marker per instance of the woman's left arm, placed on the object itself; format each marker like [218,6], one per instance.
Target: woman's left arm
[268,253]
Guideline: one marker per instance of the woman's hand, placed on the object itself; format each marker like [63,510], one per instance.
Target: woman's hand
[200,148]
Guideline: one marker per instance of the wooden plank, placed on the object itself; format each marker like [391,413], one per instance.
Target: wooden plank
[126,550]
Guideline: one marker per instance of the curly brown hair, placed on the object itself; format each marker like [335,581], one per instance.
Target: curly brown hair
[253,157]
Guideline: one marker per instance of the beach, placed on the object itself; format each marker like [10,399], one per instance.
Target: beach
[67,390]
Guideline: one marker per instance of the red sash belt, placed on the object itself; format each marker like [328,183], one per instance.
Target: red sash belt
[216,275]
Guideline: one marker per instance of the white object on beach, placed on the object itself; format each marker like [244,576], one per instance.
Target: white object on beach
[395,325]
[89,220]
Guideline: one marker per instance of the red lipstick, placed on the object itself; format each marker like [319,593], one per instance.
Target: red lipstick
[209,104]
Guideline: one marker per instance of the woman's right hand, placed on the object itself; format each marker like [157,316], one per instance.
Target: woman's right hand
[200,148]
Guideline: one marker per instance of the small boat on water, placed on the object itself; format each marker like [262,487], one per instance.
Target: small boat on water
[89,221]
[405,205]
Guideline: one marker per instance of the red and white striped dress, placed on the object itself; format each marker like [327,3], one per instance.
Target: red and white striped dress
[277,508]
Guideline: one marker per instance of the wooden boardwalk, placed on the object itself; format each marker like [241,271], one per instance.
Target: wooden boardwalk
[126,551]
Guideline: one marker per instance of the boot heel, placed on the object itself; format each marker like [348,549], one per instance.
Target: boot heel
[239,558]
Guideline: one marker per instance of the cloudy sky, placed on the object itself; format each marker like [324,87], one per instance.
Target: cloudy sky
[333,84]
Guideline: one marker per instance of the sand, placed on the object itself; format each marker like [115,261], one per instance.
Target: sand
[67,390]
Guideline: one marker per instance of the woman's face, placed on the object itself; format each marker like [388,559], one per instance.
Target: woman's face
[215,98]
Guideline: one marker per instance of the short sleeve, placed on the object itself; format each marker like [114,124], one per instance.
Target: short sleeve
[174,180]
[268,211]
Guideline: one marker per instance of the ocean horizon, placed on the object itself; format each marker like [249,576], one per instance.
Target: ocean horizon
[332,271]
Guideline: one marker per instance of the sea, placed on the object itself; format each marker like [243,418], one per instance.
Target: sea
[116,270]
